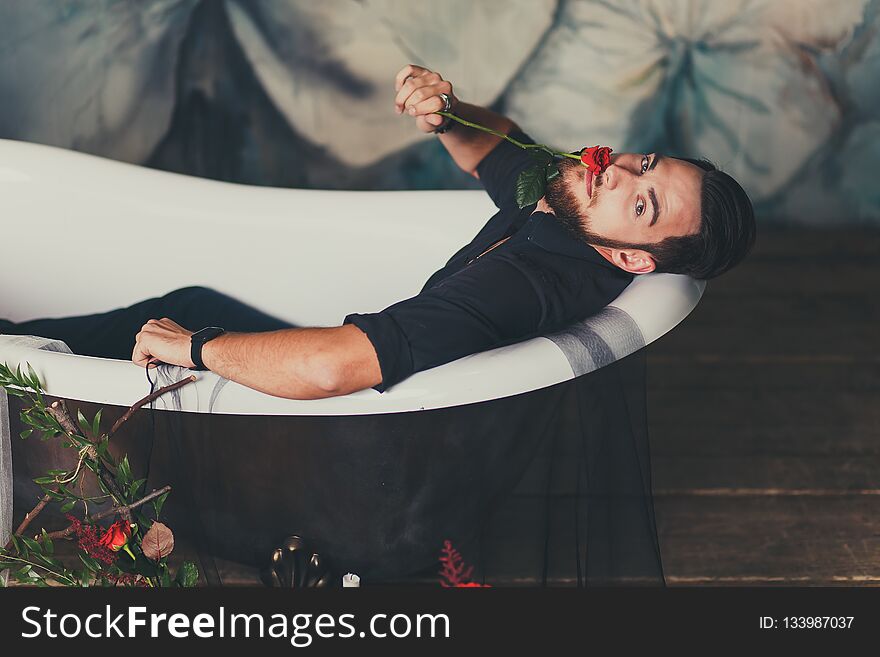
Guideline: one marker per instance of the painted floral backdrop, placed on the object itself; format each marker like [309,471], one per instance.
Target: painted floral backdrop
[783,94]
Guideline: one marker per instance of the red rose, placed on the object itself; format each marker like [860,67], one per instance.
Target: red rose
[596,158]
[117,535]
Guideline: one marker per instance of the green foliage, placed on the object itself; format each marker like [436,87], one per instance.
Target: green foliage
[83,423]
[32,560]
[530,185]
[96,423]
[158,503]
[123,473]
[187,575]
[532,182]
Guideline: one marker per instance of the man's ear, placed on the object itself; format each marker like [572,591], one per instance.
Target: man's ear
[635,261]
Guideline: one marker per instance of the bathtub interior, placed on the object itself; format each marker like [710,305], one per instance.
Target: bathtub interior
[93,235]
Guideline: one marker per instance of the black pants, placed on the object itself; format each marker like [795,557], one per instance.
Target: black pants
[111,334]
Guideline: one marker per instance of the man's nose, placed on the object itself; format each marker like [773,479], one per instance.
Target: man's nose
[616,174]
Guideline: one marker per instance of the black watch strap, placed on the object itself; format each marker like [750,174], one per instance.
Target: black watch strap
[198,340]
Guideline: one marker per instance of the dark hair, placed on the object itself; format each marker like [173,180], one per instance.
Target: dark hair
[726,235]
[727,229]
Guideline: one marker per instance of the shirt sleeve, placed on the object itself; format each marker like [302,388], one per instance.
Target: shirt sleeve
[488,303]
[499,170]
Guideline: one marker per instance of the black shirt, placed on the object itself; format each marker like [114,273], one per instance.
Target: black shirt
[538,281]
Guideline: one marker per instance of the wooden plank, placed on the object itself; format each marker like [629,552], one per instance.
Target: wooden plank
[728,473]
[817,442]
[707,411]
[805,243]
[770,539]
[732,473]
[754,308]
[678,438]
[772,277]
[858,341]
[736,372]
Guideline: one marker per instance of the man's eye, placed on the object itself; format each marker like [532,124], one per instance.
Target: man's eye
[640,208]
[644,164]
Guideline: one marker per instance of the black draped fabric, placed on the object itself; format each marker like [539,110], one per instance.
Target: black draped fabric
[616,514]
[583,512]
[379,494]
[410,480]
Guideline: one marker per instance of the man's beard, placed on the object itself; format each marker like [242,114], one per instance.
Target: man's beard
[565,205]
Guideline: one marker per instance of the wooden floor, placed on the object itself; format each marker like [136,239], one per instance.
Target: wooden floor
[764,410]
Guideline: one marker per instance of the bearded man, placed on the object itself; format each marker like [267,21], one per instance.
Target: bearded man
[528,271]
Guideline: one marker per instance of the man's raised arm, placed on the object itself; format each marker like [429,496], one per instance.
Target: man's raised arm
[418,95]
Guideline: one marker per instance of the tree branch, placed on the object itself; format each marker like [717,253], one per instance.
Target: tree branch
[59,411]
[121,510]
[32,514]
[146,400]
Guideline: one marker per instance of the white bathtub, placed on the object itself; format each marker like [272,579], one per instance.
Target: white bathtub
[74,242]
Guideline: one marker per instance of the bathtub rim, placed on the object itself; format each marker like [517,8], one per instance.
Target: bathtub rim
[505,371]
[655,302]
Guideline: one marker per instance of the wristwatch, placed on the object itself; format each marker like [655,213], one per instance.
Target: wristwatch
[198,340]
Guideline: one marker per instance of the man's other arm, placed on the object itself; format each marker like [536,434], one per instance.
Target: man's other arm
[300,363]
[418,95]
[297,363]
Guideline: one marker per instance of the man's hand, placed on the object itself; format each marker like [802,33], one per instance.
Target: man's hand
[418,94]
[163,340]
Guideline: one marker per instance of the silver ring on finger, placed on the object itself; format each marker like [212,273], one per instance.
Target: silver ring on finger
[447,102]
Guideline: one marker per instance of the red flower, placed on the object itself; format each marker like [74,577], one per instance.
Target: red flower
[455,573]
[90,542]
[596,158]
[117,535]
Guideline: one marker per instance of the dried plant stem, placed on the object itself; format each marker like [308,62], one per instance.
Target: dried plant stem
[121,510]
[59,411]
[33,514]
[146,400]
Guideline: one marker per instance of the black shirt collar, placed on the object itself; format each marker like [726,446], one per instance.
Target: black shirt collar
[544,230]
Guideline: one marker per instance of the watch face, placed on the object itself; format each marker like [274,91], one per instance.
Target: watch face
[208,333]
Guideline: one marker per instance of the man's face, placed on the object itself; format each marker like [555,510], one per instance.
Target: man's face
[639,199]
